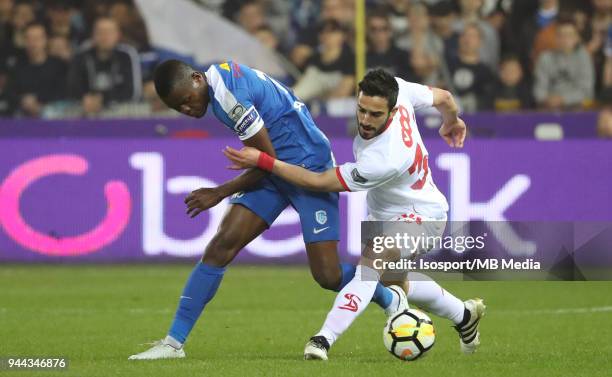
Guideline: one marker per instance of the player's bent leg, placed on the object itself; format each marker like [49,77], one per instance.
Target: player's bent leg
[239,226]
[430,296]
[468,329]
[324,263]
[348,305]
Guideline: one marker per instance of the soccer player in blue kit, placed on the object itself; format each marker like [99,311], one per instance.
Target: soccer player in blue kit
[267,116]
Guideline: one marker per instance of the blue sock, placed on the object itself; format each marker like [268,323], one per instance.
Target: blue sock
[382,295]
[199,290]
[348,272]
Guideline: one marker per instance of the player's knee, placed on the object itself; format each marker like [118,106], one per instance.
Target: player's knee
[221,250]
[328,278]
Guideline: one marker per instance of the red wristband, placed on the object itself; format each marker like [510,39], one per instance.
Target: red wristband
[265,161]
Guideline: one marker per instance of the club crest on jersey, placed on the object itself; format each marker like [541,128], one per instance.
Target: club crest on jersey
[321,217]
[246,120]
[236,112]
[357,177]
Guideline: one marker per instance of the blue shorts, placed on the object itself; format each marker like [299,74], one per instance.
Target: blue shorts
[318,210]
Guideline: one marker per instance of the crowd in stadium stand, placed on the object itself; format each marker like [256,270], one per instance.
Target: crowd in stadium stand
[62,58]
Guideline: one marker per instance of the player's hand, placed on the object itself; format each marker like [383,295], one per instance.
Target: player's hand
[242,159]
[454,133]
[202,199]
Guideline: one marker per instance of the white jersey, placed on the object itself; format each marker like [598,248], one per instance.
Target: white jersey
[394,166]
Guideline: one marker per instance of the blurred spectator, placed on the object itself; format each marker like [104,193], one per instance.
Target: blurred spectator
[527,19]
[564,76]
[250,16]
[472,80]
[496,12]
[546,38]
[397,10]
[59,47]
[600,24]
[339,11]
[425,68]
[59,14]
[267,37]
[133,29]
[23,15]
[420,35]
[40,79]
[427,63]
[513,91]
[106,71]
[92,10]
[605,94]
[443,21]
[382,52]
[330,72]
[470,13]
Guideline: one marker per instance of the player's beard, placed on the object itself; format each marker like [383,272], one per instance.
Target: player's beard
[377,131]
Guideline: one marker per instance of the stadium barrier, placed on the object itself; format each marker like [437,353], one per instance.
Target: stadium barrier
[481,125]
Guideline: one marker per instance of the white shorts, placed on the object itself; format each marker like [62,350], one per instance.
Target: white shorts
[421,231]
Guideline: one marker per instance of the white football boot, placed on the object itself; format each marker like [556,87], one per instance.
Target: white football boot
[316,348]
[469,336]
[160,350]
[402,302]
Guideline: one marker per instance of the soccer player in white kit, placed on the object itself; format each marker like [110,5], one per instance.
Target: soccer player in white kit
[392,164]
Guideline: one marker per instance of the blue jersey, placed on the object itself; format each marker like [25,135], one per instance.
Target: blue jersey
[245,100]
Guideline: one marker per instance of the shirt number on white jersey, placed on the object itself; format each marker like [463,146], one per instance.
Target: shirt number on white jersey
[421,162]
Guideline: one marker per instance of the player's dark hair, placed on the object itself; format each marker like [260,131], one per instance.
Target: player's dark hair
[169,74]
[380,83]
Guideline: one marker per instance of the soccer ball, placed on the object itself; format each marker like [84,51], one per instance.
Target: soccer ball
[409,334]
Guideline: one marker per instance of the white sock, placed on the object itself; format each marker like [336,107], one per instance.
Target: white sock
[429,295]
[349,303]
[173,342]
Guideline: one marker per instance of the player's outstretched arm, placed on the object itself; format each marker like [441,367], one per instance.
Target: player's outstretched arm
[245,158]
[453,129]
[204,198]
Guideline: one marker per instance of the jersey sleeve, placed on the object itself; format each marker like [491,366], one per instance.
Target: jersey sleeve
[369,171]
[238,111]
[420,96]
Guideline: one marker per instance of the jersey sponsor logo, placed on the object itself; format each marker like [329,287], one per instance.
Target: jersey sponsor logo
[321,216]
[236,112]
[357,177]
[352,303]
[225,66]
[246,120]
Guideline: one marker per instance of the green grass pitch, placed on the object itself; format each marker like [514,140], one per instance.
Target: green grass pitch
[261,318]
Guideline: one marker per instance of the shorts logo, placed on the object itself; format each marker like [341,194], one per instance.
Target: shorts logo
[357,177]
[246,120]
[321,217]
[236,112]
[238,195]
